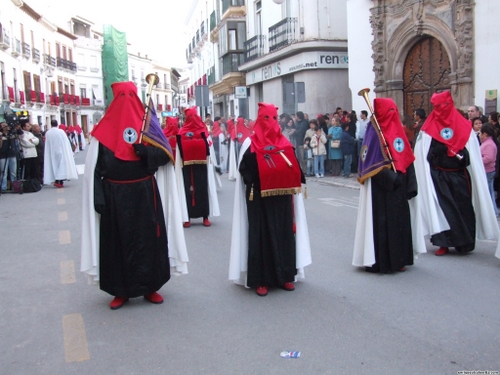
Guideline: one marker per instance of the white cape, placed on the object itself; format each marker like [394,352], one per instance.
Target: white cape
[233,167]
[364,247]
[222,152]
[433,218]
[59,163]
[167,186]
[238,260]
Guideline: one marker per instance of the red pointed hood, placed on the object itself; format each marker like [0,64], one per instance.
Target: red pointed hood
[387,115]
[122,123]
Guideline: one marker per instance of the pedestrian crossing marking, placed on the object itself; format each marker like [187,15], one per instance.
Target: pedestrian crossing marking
[68,272]
[61,201]
[60,191]
[341,202]
[75,339]
[62,216]
[64,237]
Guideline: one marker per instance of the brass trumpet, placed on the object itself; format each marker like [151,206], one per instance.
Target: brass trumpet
[152,80]
[364,93]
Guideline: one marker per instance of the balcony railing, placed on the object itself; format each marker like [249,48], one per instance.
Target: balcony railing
[66,64]
[254,47]
[48,60]
[35,55]
[282,34]
[26,50]
[16,48]
[4,39]
[231,3]
[231,62]
[213,20]
[202,29]
[197,36]
[211,76]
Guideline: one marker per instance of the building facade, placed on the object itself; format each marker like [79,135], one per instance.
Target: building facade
[407,50]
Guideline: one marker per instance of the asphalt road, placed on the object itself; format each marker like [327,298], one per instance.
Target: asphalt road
[441,316]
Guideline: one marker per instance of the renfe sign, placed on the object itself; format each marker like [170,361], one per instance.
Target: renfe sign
[304,61]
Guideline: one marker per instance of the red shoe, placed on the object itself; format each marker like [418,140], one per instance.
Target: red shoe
[57,185]
[206,222]
[186,224]
[441,251]
[261,291]
[154,298]
[402,269]
[288,286]
[117,303]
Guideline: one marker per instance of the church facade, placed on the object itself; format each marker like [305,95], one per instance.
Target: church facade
[410,49]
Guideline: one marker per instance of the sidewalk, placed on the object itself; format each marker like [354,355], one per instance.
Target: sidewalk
[351,182]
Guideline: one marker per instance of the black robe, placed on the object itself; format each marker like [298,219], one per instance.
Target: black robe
[391,219]
[453,187]
[195,185]
[133,251]
[271,238]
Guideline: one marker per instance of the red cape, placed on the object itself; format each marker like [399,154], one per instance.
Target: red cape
[277,177]
[216,130]
[446,125]
[194,145]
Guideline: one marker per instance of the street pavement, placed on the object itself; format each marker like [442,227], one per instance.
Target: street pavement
[441,316]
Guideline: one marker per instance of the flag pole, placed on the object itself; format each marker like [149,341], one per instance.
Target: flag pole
[152,80]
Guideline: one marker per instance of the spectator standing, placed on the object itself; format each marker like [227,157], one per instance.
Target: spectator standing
[308,157]
[8,156]
[289,131]
[347,147]
[40,151]
[419,116]
[28,143]
[300,134]
[318,142]
[335,153]
[477,124]
[489,149]
[361,128]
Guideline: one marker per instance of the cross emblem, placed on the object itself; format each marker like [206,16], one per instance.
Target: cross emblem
[399,145]
[447,133]
[129,135]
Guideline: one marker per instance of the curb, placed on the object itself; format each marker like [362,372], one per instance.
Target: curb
[352,184]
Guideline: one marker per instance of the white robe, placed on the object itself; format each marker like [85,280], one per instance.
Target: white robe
[167,186]
[59,163]
[238,259]
[433,219]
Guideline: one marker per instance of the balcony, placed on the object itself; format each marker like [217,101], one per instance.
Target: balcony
[48,60]
[197,36]
[282,34]
[229,74]
[233,9]
[35,55]
[254,47]
[231,62]
[26,49]
[214,31]
[86,102]
[4,39]
[66,64]
[16,48]
[203,30]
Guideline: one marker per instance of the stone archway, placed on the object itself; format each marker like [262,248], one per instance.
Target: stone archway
[426,71]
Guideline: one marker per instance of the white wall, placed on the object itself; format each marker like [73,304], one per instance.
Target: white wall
[360,36]
[487,44]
